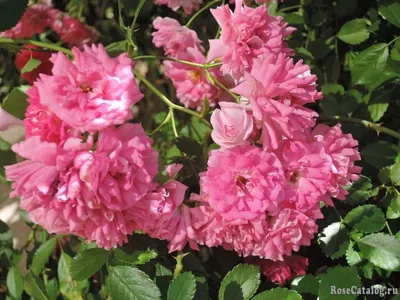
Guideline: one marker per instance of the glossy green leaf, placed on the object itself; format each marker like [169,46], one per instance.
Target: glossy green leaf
[34,287]
[366,218]
[69,289]
[31,65]
[339,278]
[382,250]
[15,103]
[307,284]
[354,32]
[128,283]
[390,10]
[369,64]
[278,294]
[247,277]
[352,256]
[88,262]
[42,255]
[183,287]
[15,283]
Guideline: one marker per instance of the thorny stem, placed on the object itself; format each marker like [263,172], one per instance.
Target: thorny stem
[367,124]
[36,43]
[166,100]
[205,7]
[179,265]
[203,66]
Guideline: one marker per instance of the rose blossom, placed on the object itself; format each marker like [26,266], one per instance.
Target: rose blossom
[281,272]
[247,33]
[93,91]
[174,37]
[232,125]
[243,182]
[75,189]
[191,83]
[343,150]
[277,90]
[39,121]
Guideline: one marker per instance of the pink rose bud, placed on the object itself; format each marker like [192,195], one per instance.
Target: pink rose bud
[232,125]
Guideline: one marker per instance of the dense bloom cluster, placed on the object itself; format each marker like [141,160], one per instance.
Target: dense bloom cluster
[92,174]
[261,192]
[82,174]
[38,17]
[191,82]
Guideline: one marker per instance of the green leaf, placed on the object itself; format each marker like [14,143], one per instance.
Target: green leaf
[10,12]
[379,154]
[42,255]
[379,104]
[352,256]
[381,250]
[339,278]
[354,32]
[368,65]
[307,284]
[15,103]
[366,218]
[359,191]
[393,210]
[246,276]
[278,294]
[182,287]
[390,10]
[34,287]
[52,289]
[136,258]
[196,130]
[334,240]
[189,146]
[69,289]
[31,65]
[395,173]
[384,175]
[127,283]
[15,283]
[395,53]
[88,262]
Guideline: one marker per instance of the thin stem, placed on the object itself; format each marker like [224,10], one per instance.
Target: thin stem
[36,43]
[200,11]
[165,122]
[337,212]
[208,66]
[291,7]
[367,124]
[137,12]
[388,228]
[236,97]
[179,265]
[171,59]
[166,100]
[173,122]
[392,41]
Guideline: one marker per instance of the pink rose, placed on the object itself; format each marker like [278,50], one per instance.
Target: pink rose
[232,125]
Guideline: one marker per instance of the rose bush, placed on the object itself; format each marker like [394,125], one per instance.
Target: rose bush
[201,149]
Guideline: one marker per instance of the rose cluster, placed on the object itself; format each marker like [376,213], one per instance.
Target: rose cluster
[90,173]
[35,20]
[85,167]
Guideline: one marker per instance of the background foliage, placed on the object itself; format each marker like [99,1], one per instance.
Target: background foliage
[354,48]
